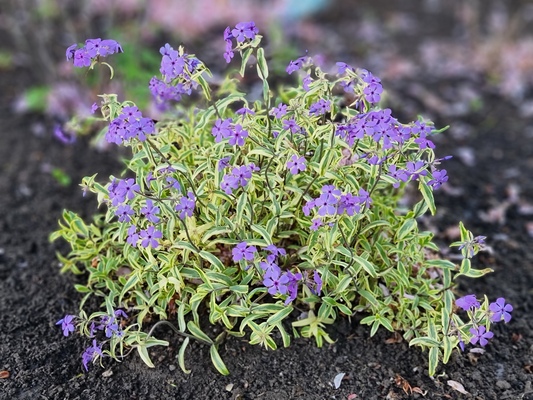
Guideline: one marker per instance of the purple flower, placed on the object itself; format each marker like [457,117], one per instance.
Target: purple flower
[124,213]
[373,92]
[94,107]
[480,335]
[364,198]
[296,164]
[414,169]
[308,207]
[120,313]
[279,111]
[150,212]
[186,205]
[67,324]
[439,177]
[133,236]
[467,302]
[316,223]
[149,237]
[81,58]
[327,205]
[223,163]
[237,137]
[318,283]
[306,82]
[70,51]
[292,287]
[244,30]
[128,187]
[342,67]
[243,111]
[63,136]
[276,283]
[296,64]
[349,203]
[276,251]
[243,251]
[290,124]
[91,353]
[321,107]
[500,310]
[221,129]
[269,266]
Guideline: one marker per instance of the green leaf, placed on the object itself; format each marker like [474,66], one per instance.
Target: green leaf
[143,352]
[406,228]
[82,288]
[367,265]
[263,232]
[262,66]
[424,341]
[245,56]
[427,193]
[181,356]
[212,259]
[217,360]
[197,332]
[132,281]
[279,316]
[433,360]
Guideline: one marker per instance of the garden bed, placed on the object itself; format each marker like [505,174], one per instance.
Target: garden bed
[490,190]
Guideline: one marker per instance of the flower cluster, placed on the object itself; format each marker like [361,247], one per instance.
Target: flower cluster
[241,32]
[225,129]
[177,69]
[93,49]
[109,324]
[480,318]
[130,124]
[238,177]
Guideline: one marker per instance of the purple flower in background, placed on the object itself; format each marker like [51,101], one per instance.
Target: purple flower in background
[500,310]
[94,107]
[67,324]
[296,164]
[244,30]
[321,107]
[279,111]
[84,56]
[342,67]
[467,302]
[63,136]
[243,252]
[150,212]
[296,64]
[292,287]
[243,111]
[186,205]
[308,207]
[238,136]
[276,283]
[439,177]
[306,82]
[120,314]
[290,124]
[276,251]
[149,237]
[91,353]
[364,198]
[71,50]
[348,203]
[481,335]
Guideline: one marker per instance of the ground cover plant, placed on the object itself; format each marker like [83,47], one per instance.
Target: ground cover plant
[271,216]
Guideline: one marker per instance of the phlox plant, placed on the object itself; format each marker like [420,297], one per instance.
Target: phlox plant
[271,217]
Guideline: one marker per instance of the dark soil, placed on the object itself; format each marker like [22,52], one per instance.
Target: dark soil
[490,189]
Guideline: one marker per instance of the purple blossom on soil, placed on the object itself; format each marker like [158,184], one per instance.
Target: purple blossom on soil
[150,211]
[124,213]
[467,302]
[500,310]
[439,177]
[149,237]
[276,282]
[67,324]
[244,30]
[296,164]
[316,224]
[62,136]
[222,129]
[186,205]
[238,136]
[243,252]
[480,334]
[296,64]
[91,353]
[279,111]
[321,107]
[133,235]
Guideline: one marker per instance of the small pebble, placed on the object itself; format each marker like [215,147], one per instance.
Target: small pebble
[503,384]
[172,367]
